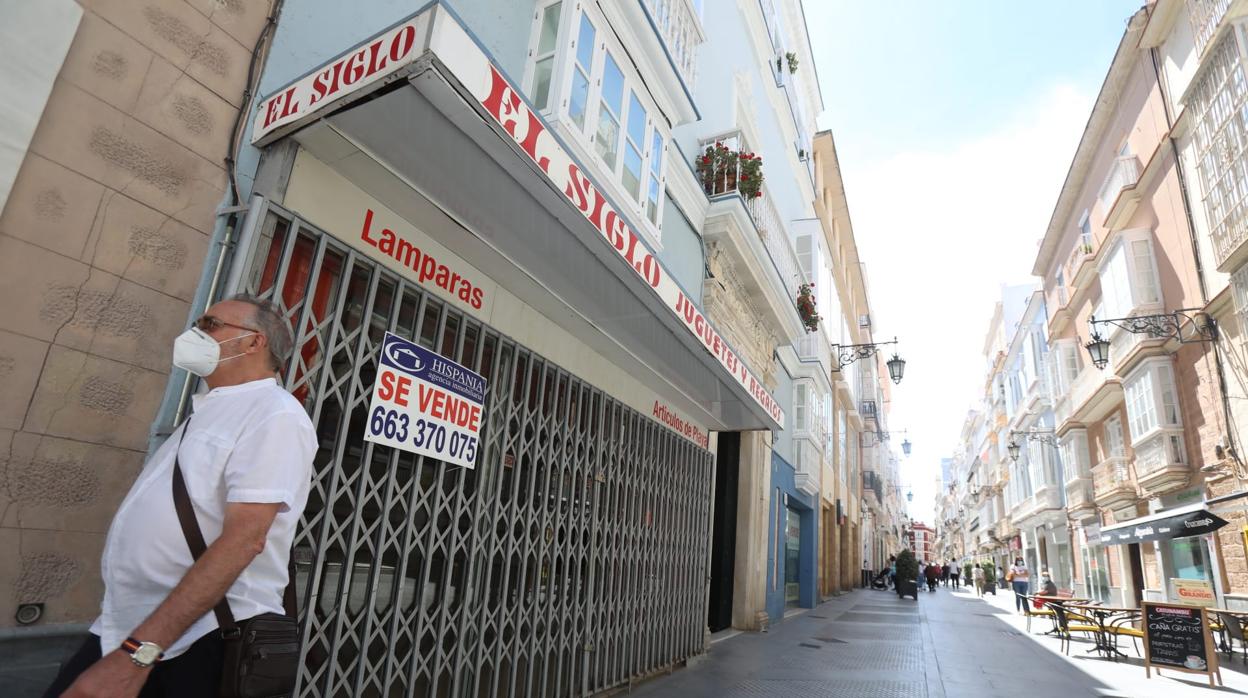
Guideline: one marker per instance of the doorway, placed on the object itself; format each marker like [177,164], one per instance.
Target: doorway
[724,531]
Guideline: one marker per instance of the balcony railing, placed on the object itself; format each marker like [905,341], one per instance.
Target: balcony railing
[1123,173]
[1112,484]
[1080,255]
[681,29]
[1205,15]
[1079,494]
[776,239]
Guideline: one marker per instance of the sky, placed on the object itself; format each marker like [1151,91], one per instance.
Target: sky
[955,123]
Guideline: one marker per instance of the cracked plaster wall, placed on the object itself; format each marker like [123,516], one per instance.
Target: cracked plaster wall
[102,241]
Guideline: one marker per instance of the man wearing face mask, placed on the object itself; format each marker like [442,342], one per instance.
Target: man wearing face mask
[246,459]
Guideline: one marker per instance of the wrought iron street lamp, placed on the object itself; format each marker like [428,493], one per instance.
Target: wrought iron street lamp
[1161,326]
[1044,436]
[905,446]
[847,354]
[896,368]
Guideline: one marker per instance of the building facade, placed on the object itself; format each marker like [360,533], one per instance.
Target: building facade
[607,210]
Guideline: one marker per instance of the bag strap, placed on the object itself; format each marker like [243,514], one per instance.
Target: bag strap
[195,541]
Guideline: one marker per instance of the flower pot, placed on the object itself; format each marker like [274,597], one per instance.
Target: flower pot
[908,588]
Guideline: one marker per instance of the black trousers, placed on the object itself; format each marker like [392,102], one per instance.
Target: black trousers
[195,673]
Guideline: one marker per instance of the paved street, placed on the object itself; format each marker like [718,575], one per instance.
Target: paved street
[871,644]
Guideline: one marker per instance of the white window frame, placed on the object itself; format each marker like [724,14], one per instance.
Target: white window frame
[536,56]
[1239,294]
[1145,391]
[1115,441]
[557,110]
[1130,292]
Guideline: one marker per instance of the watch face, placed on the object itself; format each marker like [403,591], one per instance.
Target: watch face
[147,653]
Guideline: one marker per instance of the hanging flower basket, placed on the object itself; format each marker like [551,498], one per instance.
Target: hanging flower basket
[806,307]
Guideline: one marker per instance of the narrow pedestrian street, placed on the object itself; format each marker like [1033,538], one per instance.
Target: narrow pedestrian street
[873,644]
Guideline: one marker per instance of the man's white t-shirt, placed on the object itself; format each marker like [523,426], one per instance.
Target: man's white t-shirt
[248,443]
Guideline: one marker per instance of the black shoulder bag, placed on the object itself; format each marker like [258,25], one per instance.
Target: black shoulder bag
[261,653]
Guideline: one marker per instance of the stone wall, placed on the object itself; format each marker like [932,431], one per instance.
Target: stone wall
[102,244]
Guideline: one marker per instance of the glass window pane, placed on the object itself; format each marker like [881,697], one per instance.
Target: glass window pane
[580,95]
[608,139]
[550,28]
[541,81]
[632,171]
[636,120]
[612,86]
[656,153]
[585,44]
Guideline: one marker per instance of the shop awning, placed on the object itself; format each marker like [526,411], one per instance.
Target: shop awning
[1194,520]
[437,133]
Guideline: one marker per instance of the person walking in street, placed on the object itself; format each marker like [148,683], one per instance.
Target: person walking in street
[977,575]
[944,574]
[1020,578]
[892,571]
[245,460]
[933,576]
[955,573]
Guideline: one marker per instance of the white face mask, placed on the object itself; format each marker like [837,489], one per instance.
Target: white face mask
[195,351]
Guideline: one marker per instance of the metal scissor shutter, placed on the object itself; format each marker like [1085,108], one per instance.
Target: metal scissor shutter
[572,559]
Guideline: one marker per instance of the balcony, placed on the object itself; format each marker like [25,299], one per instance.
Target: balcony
[1037,397]
[806,468]
[1080,265]
[1205,16]
[1080,502]
[1061,315]
[1125,172]
[1113,487]
[677,23]
[760,250]
[1161,462]
[1093,395]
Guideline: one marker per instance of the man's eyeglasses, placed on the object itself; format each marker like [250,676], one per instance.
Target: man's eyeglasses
[210,323]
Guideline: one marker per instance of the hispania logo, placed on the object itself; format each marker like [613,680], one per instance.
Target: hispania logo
[404,357]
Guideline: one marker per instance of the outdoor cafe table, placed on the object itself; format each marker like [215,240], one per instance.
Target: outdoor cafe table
[1058,600]
[1100,615]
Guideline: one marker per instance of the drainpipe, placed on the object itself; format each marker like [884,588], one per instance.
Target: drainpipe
[1200,272]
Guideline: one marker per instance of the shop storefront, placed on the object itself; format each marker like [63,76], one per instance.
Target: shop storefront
[427,200]
[1184,541]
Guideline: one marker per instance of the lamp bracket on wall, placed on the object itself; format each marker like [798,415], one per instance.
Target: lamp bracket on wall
[1186,325]
[847,354]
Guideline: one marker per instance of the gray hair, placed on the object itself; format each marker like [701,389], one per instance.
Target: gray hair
[274,327]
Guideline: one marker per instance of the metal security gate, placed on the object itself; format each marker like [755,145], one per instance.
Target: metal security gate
[572,559]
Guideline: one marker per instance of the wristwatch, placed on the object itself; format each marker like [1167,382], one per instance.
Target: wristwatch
[143,654]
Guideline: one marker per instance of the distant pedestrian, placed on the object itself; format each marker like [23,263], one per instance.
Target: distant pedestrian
[944,574]
[933,576]
[892,571]
[955,574]
[1020,578]
[977,575]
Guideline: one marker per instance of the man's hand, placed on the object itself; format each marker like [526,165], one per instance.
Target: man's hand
[114,676]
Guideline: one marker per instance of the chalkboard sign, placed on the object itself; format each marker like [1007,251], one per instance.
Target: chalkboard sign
[1177,637]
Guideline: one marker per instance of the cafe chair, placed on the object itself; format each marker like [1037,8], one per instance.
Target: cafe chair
[1124,626]
[1030,611]
[1066,627]
[1232,627]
